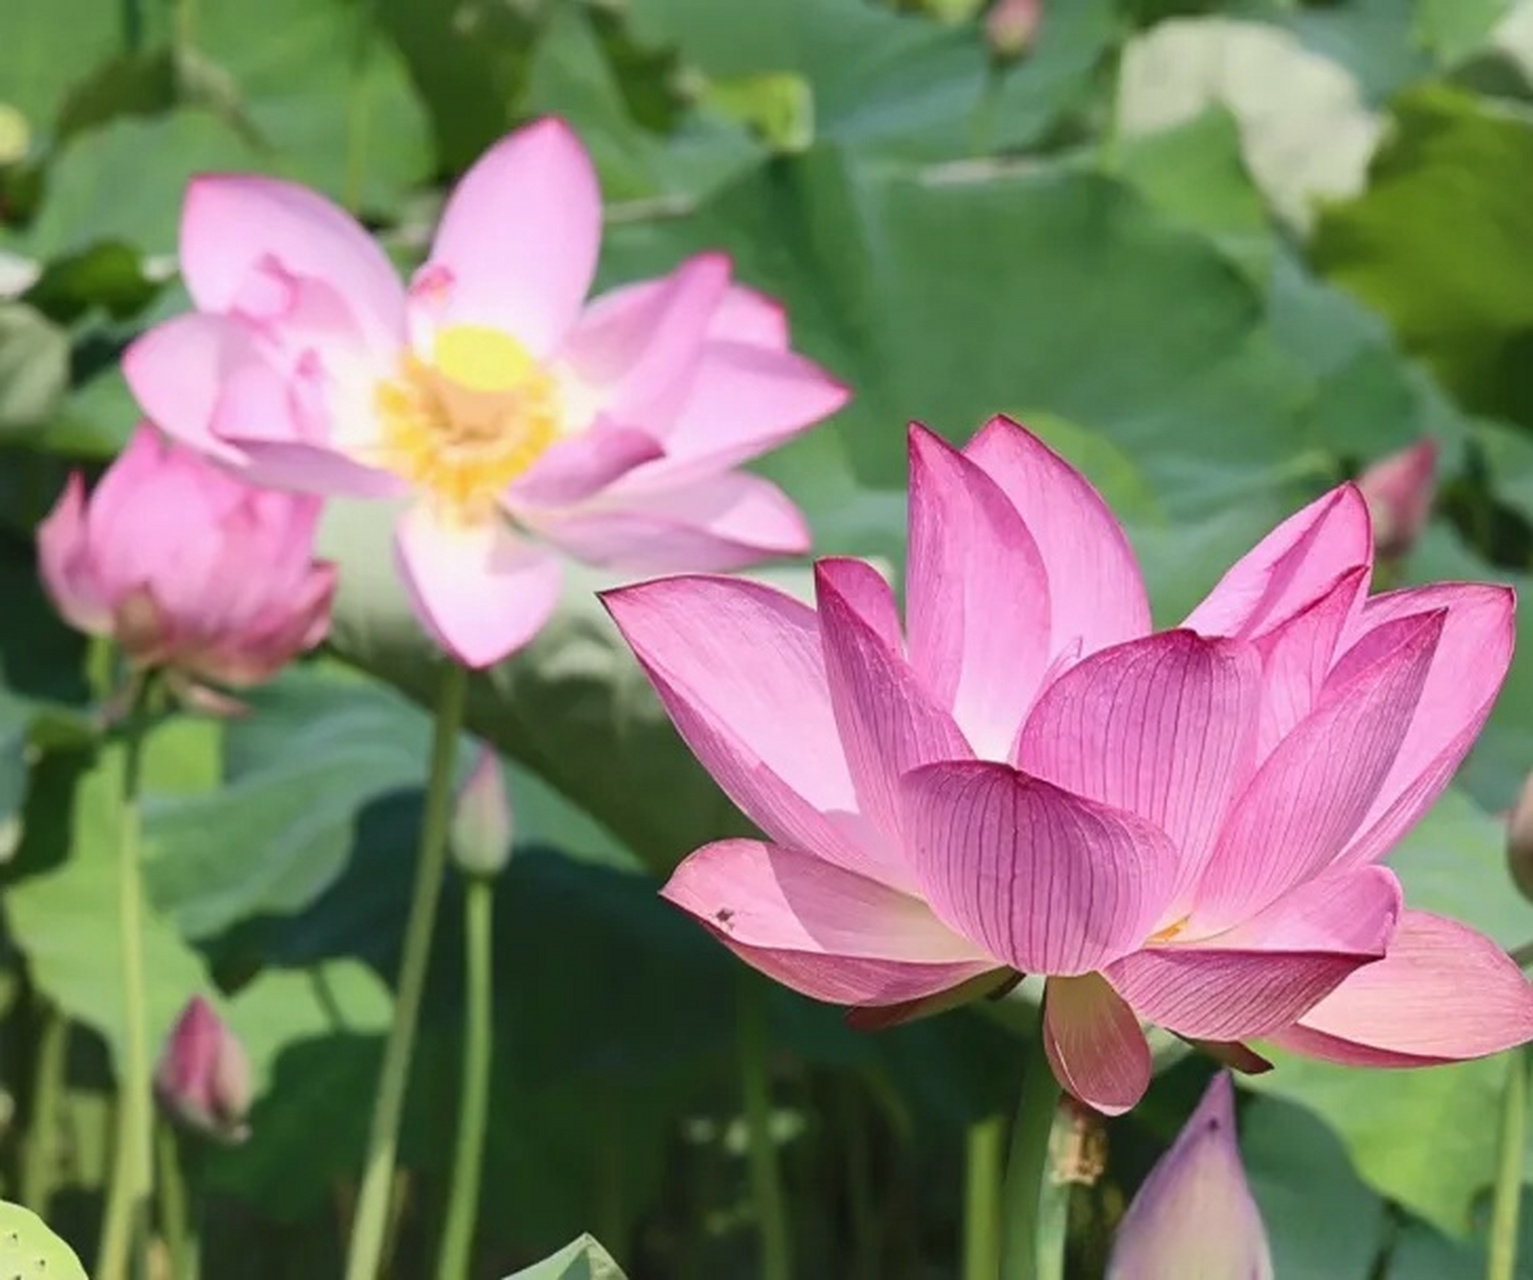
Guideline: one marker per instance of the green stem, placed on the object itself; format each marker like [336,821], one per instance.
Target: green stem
[983,1148]
[478,1047]
[42,1157]
[1502,1263]
[1027,1169]
[358,110]
[132,13]
[175,1214]
[373,1201]
[125,1237]
[756,1085]
[866,1242]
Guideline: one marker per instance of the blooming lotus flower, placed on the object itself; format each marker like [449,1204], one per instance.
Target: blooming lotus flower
[187,567]
[203,1078]
[1193,1218]
[1181,827]
[1400,490]
[519,420]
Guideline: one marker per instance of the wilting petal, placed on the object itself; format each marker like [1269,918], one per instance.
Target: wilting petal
[739,668]
[1094,1043]
[479,590]
[1262,975]
[1164,727]
[1290,567]
[1444,993]
[1194,1218]
[581,466]
[1095,591]
[978,595]
[1047,881]
[519,236]
[823,931]
[724,522]
[889,724]
[1467,670]
[1306,801]
[64,561]
[235,228]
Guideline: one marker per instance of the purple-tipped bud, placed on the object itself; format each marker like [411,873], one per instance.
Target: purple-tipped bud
[1194,1217]
[1011,25]
[1400,490]
[203,1078]
[482,825]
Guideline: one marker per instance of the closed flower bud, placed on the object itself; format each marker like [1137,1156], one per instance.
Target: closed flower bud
[1011,25]
[188,568]
[1400,490]
[203,1079]
[482,825]
[1519,841]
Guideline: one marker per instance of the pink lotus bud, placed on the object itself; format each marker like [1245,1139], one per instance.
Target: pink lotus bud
[1011,25]
[1400,490]
[1194,1215]
[203,1079]
[187,567]
[1519,840]
[482,825]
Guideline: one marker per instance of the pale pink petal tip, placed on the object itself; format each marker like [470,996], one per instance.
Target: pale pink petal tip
[482,825]
[64,562]
[1400,491]
[1194,1215]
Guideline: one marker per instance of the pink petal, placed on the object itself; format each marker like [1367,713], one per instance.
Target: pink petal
[581,466]
[978,595]
[1261,976]
[480,591]
[1044,880]
[234,228]
[1307,800]
[1400,490]
[1094,1043]
[315,469]
[1194,1217]
[889,724]
[1297,656]
[752,318]
[992,984]
[178,370]
[1467,671]
[821,930]
[724,522]
[1164,727]
[1290,567]
[645,347]
[64,562]
[870,597]
[519,236]
[1095,591]
[1444,993]
[738,666]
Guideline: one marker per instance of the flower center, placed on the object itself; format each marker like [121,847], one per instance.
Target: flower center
[469,421]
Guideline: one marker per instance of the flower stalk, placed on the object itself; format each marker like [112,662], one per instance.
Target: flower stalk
[765,1177]
[1502,1261]
[1029,1251]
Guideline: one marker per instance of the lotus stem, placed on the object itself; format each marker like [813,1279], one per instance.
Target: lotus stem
[766,1182]
[40,1168]
[984,1148]
[1502,1261]
[176,1219]
[1028,1231]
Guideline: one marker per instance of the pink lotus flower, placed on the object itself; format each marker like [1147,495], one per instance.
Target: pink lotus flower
[1193,1217]
[203,1078]
[514,414]
[1182,827]
[187,567]
[1400,490]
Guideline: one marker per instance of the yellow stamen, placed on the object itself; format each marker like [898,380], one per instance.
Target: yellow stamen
[466,424]
[1168,933]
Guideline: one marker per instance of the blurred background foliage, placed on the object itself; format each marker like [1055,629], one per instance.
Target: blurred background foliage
[1220,255]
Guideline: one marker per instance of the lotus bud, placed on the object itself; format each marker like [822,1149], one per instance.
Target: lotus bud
[1194,1215]
[482,824]
[203,1079]
[1400,490]
[1011,25]
[1519,840]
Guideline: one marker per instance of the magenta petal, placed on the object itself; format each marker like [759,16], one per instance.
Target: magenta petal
[1164,727]
[1094,1043]
[518,239]
[236,229]
[738,666]
[1444,993]
[978,595]
[1261,976]
[1307,800]
[888,722]
[1193,1218]
[1045,880]
[1290,567]
[579,467]
[723,522]
[1467,670]
[1096,594]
